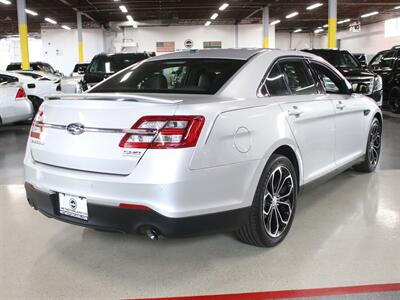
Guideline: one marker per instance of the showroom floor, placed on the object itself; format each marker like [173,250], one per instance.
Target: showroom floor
[346,232]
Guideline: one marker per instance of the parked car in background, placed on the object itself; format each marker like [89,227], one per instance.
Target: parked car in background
[105,65]
[362,59]
[362,80]
[387,64]
[72,84]
[35,66]
[40,76]
[35,87]
[14,104]
[199,141]
[79,70]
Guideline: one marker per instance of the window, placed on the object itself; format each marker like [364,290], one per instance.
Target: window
[275,84]
[113,63]
[298,77]
[4,79]
[185,76]
[332,83]
[383,60]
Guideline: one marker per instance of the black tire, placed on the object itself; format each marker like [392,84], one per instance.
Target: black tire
[373,149]
[255,231]
[394,100]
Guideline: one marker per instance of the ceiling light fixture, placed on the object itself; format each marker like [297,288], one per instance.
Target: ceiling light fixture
[318,30]
[130,19]
[6,2]
[291,15]
[275,22]
[370,14]
[314,6]
[66,27]
[397,7]
[325,26]
[298,30]
[123,9]
[214,16]
[344,21]
[31,12]
[223,6]
[50,20]
[208,23]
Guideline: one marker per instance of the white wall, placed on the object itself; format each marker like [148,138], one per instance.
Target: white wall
[10,51]
[60,47]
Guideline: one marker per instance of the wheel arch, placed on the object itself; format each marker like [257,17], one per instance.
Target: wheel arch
[290,153]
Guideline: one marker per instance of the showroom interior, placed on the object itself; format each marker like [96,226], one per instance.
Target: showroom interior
[75,135]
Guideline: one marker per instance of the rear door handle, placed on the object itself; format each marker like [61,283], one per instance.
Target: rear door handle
[295,112]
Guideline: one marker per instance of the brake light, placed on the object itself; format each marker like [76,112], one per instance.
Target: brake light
[164,132]
[21,95]
[37,126]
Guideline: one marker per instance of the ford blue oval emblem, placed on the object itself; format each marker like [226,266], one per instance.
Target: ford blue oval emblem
[76,128]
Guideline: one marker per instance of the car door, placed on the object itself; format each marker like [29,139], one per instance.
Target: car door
[382,64]
[311,118]
[349,114]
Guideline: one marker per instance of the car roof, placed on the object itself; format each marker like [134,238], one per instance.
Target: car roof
[324,50]
[240,54]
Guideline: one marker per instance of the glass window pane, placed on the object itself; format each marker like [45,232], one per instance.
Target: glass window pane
[330,80]
[275,83]
[298,77]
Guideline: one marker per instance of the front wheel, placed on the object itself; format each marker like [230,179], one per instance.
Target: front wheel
[373,150]
[274,205]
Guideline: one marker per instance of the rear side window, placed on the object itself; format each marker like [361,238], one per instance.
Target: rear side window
[275,84]
[383,60]
[185,76]
[298,77]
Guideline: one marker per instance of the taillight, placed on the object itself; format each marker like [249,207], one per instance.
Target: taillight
[164,132]
[37,126]
[21,95]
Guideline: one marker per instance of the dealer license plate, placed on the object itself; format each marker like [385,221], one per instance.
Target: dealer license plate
[73,206]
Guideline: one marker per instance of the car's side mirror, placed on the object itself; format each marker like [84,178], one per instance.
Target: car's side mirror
[362,88]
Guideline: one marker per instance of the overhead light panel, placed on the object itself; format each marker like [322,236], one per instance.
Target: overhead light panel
[314,6]
[298,30]
[214,16]
[208,23]
[344,21]
[275,22]
[31,12]
[135,25]
[50,20]
[123,9]
[130,19]
[66,27]
[318,30]
[6,2]
[325,26]
[223,6]
[397,7]
[291,15]
[370,14]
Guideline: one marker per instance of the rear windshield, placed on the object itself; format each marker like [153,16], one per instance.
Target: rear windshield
[34,67]
[340,59]
[114,63]
[185,76]
[80,67]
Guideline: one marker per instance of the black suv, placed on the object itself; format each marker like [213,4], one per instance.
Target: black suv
[105,65]
[387,64]
[362,80]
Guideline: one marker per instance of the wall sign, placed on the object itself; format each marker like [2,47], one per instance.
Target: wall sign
[355,27]
[165,46]
[212,45]
[188,44]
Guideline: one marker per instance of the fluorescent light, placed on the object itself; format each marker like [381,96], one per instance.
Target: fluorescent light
[214,16]
[344,21]
[6,2]
[325,26]
[31,12]
[130,19]
[318,30]
[275,22]
[50,20]
[208,23]
[291,15]
[66,27]
[223,6]
[135,25]
[314,6]
[370,14]
[397,7]
[298,30]
[123,8]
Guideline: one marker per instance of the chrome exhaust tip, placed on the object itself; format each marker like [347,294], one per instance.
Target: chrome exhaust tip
[153,234]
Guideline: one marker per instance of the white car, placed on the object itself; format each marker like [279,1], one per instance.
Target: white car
[34,84]
[199,141]
[14,104]
[71,85]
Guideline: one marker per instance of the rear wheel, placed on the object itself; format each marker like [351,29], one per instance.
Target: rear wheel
[274,205]
[373,150]
[394,100]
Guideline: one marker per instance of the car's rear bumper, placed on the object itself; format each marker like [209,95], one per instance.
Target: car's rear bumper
[113,218]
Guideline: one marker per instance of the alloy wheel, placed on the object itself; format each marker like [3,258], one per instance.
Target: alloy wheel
[374,147]
[278,201]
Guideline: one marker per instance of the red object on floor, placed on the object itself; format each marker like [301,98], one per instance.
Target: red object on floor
[360,289]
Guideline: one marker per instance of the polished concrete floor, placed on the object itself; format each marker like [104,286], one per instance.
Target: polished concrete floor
[346,232]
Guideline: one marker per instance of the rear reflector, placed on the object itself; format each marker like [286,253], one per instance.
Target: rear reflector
[169,132]
[21,95]
[134,206]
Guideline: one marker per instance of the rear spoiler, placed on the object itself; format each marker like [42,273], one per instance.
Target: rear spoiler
[112,97]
